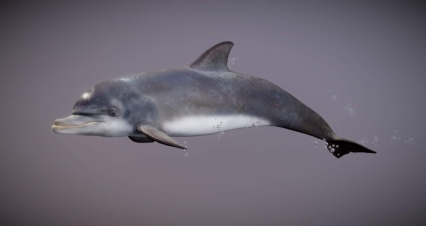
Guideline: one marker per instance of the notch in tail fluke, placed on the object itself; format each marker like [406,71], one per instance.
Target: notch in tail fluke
[340,147]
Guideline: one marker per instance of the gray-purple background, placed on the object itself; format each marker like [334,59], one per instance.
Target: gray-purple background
[360,65]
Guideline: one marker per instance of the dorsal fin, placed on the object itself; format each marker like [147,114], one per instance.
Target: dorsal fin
[214,59]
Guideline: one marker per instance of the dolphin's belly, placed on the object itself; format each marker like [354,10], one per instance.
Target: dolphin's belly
[203,125]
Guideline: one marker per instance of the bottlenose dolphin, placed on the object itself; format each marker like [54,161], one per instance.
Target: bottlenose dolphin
[202,98]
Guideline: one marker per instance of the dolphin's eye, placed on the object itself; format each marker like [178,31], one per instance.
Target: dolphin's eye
[113,112]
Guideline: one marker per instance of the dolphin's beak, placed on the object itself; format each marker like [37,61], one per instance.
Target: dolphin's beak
[75,124]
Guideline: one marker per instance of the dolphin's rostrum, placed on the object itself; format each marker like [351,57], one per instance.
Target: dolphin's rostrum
[202,98]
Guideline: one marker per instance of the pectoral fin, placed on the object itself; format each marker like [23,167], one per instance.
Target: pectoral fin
[158,136]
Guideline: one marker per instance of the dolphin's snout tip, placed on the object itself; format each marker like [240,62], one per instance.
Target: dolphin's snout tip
[55,126]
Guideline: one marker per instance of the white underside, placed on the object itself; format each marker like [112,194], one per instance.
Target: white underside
[204,125]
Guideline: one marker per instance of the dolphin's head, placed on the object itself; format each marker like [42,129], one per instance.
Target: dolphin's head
[108,109]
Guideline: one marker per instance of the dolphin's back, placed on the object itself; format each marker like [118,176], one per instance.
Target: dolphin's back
[224,93]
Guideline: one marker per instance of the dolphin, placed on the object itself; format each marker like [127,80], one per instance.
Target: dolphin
[202,98]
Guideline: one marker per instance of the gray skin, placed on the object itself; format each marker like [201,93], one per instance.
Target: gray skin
[139,105]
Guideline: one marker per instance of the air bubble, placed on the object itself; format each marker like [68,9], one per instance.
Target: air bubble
[332,150]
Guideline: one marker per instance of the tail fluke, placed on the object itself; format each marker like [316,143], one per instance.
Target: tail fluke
[340,147]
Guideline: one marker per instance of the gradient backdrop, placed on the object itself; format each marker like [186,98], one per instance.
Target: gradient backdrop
[360,65]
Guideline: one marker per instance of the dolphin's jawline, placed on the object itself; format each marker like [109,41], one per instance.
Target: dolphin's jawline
[73,126]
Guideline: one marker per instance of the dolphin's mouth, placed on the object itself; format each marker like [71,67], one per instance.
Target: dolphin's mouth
[73,122]
[72,126]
